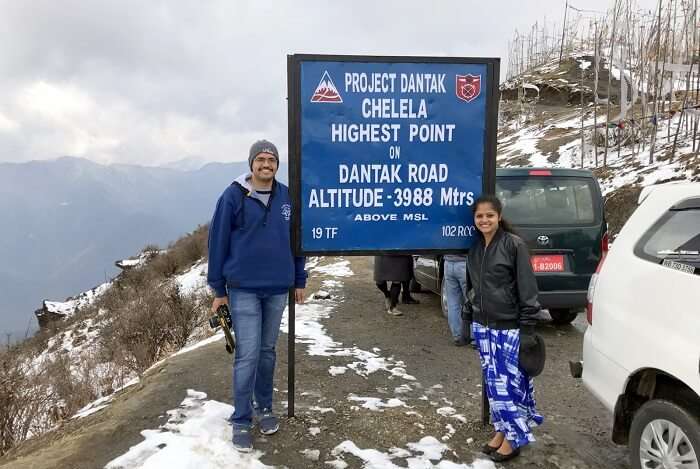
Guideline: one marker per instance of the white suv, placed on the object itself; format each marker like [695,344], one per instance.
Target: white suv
[641,351]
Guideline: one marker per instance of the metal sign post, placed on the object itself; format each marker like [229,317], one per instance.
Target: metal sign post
[388,154]
[291,318]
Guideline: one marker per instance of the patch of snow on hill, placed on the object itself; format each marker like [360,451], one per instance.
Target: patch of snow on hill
[194,280]
[70,306]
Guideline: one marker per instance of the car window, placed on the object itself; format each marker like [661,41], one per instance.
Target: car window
[546,200]
[674,240]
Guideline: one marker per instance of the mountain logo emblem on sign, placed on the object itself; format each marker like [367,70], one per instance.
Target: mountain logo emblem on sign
[468,87]
[326,92]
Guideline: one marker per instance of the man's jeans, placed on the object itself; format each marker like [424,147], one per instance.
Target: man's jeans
[256,319]
[456,290]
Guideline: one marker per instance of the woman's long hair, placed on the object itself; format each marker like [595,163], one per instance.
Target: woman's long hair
[498,207]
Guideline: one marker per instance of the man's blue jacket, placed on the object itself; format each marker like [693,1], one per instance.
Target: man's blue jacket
[249,243]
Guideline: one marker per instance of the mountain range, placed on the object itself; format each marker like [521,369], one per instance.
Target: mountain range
[65,222]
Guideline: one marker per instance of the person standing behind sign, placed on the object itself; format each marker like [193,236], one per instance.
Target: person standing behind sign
[456,292]
[251,267]
[503,306]
[394,268]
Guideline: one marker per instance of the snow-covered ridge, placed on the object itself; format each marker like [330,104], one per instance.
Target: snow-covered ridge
[54,310]
[77,350]
[543,125]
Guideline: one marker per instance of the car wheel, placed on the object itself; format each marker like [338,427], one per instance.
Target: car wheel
[663,434]
[563,316]
[443,297]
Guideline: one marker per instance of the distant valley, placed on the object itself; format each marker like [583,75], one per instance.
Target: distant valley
[65,222]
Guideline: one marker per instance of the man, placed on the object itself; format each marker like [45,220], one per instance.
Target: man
[456,291]
[251,268]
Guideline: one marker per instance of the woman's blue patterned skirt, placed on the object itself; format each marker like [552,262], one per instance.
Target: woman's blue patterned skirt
[508,387]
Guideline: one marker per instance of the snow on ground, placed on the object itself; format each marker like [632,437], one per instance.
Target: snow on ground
[312,262]
[337,370]
[310,331]
[340,268]
[404,388]
[533,143]
[197,435]
[523,145]
[418,455]
[77,342]
[209,340]
[377,404]
[450,431]
[102,402]
[312,454]
[194,280]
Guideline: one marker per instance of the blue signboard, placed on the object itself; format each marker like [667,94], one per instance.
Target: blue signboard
[389,153]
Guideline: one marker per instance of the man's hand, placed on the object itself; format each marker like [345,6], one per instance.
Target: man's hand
[299,296]
[223,300]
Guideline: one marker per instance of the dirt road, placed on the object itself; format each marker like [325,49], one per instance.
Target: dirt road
[362,376]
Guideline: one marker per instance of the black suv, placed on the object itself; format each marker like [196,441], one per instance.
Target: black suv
[559,213]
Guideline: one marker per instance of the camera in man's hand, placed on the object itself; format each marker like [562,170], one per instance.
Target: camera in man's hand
[222,312]
[222,319]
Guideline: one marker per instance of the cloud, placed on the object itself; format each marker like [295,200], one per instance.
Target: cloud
[153,82]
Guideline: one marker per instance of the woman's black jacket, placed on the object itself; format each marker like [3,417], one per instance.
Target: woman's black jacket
[501,284]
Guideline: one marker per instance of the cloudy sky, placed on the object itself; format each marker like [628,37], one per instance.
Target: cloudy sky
[151,82]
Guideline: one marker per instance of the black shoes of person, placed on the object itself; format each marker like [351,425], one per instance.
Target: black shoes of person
[409,300]
[498,457]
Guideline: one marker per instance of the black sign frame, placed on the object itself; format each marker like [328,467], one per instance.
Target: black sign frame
[294,63]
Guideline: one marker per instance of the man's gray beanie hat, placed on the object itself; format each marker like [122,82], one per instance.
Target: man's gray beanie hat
[262,146]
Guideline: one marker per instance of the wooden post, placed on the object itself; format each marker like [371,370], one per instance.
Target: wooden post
[656,80]
[563,32]
[628,66]
[672,32]
[685,101]
[596,58]
[610,65]
[696,50]
[582,118]
[642,70]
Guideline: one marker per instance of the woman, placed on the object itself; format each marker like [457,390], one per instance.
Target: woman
[503,305]
[395,268]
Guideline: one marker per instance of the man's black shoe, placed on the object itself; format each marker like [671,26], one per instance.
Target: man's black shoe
[409,300]
[461,342]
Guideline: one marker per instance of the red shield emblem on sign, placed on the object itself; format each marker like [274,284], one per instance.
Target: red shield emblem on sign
[468,87]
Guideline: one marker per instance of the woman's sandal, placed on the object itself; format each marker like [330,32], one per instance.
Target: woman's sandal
[498,457]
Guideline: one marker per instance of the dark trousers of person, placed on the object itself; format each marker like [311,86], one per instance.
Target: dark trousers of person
[392,294]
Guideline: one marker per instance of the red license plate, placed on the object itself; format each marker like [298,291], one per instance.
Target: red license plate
[548,263]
